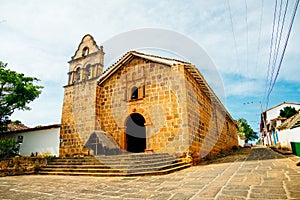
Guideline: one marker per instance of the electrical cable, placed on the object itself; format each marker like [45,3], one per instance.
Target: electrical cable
[277,43]
[259,35]
[271,49]
[247,45]
[284,49]
[232,30]
[277,47]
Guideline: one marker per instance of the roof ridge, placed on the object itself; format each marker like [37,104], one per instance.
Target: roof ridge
[170,62]
[156,56]
[115,63]
[137,53]
[282,103]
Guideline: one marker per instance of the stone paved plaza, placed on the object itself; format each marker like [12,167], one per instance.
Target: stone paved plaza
[261,174]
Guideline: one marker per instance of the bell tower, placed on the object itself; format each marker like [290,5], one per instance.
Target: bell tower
[87,63]
[79,104]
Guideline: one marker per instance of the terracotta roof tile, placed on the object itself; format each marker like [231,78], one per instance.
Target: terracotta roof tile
[16,127]
[292,122]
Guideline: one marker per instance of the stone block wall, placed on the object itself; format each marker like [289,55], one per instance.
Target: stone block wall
[78,117]
[211,128]
[179,115]
[160,102]
[79,104]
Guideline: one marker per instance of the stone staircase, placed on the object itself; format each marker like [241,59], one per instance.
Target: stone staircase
[133,164]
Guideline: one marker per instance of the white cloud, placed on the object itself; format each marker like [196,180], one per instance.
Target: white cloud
[39,37]
[244,88]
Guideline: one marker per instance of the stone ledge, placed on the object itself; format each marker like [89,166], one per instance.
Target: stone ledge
[289,154]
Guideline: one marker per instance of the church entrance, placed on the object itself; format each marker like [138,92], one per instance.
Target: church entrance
[135,133]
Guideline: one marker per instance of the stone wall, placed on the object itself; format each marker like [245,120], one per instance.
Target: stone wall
[179,115]
[78,116]
[211,128]
[22,165]
[79,104]
[160,102]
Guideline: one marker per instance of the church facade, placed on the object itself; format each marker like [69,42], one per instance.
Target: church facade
[142,103]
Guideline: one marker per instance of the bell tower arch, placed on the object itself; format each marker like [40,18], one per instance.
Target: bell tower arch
[79,104]
[87,63]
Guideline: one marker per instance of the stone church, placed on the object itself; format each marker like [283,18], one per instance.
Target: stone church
[142,103]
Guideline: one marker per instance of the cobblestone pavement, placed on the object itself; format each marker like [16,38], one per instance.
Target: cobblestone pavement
[263,174]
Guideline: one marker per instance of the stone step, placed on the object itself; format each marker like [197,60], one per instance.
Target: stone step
[83,166]
[141,163]
[75,163]
[113,161]
[86,170]
[100,169]
[144,165]
[152,168]
[106,174]
[136,162]
[69,160]
[135,156]
[115,165]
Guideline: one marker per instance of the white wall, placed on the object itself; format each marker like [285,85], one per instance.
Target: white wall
[274,113]
[40,141]
[267,139]
[241,142]
[289,135]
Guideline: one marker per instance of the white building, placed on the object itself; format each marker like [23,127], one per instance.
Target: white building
[289,131]
[270,121]
[39,140]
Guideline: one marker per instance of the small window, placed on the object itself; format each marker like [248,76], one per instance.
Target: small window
[88,72]
[134,93]
[85,51]
[78,74]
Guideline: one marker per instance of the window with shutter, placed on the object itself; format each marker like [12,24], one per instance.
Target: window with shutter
[140,93]
[144,90]
[134,93]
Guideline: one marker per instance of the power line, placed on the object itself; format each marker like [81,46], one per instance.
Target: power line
[271,48]
[281,31]
[284,49]
[232,30]
[275,50]
[277,47]
[246,20]
[259,35]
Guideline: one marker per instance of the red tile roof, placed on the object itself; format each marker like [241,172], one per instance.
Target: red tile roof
[16,127]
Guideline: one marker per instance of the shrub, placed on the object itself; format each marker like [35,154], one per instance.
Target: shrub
[48,156]
[8,148]
[37,167]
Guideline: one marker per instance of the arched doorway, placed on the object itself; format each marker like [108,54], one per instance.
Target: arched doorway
[135,133]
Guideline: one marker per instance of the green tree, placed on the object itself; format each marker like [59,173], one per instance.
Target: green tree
[16,92]
[245,131]
[8,148]
[287,112]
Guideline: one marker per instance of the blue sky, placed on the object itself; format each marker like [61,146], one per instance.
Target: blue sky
[38,38]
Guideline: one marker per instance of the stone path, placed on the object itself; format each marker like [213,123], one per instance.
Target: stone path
[264,174]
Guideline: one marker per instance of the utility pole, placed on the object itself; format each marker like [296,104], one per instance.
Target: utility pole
[264,124]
